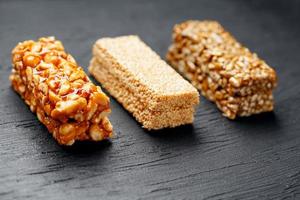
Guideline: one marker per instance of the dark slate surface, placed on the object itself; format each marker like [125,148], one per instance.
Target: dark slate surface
[250,158]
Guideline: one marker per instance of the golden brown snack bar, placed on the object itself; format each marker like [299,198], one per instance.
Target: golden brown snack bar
[225,71]
[59,92]
[156,95]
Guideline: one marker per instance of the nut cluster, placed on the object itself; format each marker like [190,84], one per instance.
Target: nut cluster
[59,92]
[222,69]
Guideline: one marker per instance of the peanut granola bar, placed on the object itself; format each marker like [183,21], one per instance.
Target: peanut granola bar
[143,83]
[59,92]
[225,72]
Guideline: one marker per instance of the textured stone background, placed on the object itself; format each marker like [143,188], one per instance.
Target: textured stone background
[251,158]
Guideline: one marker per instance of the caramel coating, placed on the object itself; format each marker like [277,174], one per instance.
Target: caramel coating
[59,92]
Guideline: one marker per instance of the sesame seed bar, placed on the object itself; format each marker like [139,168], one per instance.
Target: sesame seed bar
[156,95]
[225,72]
[59,92]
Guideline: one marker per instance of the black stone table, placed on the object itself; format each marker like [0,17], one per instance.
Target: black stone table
[216,158]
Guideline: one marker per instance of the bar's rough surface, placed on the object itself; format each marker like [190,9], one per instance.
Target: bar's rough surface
[223,70]
[59,92]
[156,95]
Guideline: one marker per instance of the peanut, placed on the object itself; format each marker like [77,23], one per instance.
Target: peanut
[59,92]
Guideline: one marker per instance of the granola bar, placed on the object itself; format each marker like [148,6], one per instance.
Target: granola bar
[59,92]
[156,95]
[226,72]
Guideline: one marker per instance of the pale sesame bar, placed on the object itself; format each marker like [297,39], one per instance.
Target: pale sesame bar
[59,92]
[225,71]
[156,95]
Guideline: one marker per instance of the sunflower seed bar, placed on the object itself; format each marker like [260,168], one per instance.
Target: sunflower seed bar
[156,95]
[59,92]
[225,72]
